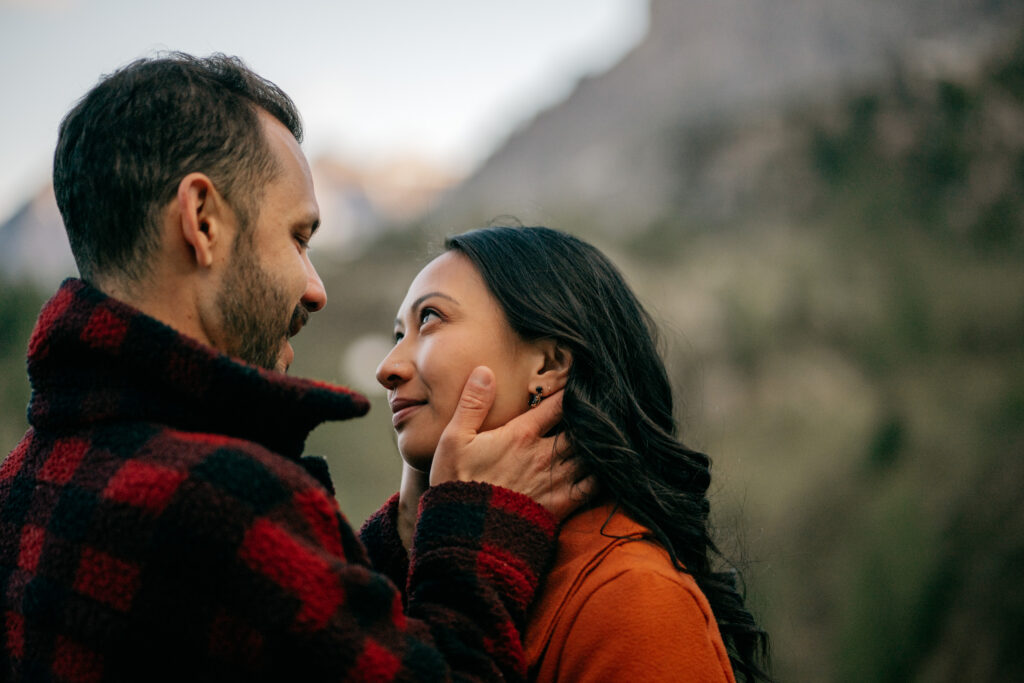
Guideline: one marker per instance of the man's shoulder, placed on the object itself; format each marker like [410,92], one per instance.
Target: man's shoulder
[140,489]
[147,465]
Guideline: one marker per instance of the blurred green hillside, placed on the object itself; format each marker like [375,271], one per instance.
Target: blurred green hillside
[846,338]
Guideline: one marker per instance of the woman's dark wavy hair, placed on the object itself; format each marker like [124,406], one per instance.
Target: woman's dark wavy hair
[617,404]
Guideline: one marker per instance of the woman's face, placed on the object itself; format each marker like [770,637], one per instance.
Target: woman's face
[449,324]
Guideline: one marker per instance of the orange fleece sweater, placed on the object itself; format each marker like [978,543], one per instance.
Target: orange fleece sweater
[614,608]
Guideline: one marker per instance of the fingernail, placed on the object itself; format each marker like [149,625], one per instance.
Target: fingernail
[480,378]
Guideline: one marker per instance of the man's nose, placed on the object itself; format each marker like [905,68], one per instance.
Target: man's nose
[315,296]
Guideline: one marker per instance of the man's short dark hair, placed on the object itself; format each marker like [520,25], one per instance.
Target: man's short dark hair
[125,146]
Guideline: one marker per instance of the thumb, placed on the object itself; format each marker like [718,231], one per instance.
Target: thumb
[474,404]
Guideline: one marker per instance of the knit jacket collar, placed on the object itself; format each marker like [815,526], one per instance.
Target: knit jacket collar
[94,359]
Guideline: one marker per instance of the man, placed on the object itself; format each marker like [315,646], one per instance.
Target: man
[158,522]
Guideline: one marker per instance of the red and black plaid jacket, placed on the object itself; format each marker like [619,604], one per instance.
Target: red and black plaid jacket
[158,523]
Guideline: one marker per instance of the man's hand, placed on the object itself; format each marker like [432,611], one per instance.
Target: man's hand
[516,456]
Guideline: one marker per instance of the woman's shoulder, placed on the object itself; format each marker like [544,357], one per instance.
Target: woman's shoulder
[611,578]
[605,557]
[603,545]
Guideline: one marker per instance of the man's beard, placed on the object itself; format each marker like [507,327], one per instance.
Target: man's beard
[253,308]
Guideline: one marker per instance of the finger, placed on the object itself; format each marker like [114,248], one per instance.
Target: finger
[474,404]
[543,418]
[584,489]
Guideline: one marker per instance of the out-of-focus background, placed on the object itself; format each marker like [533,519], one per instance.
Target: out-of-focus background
[820,201]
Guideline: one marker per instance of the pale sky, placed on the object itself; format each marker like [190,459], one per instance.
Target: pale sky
[444,80]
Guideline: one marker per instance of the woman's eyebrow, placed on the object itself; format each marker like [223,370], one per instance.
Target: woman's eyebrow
[420,300]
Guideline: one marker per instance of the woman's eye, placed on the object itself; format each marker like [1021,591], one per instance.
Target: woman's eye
[398,337]
[426,314]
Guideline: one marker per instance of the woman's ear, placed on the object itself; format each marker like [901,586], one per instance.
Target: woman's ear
[553,372]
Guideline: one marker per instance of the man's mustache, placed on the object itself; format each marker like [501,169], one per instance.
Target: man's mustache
[300,316]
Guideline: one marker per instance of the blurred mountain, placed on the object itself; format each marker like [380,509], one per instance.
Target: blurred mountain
[358,203]
[625,151]
[33,244]
[622,149]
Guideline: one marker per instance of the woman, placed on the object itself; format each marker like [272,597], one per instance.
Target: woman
[633,594]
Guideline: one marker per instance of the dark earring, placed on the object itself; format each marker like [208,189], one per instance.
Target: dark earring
[536,398]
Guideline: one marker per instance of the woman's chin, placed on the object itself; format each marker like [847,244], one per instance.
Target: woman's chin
[420,463]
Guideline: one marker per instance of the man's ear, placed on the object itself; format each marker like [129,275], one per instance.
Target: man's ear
[203,217]
[553,371]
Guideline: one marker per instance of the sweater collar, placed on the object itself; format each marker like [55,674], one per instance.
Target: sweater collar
[94,359]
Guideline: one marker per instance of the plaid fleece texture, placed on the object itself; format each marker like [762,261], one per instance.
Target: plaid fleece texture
[158,523]
[383,544]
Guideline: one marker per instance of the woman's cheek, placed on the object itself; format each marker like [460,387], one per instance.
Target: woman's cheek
[505,408]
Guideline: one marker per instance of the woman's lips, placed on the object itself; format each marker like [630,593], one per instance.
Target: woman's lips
[403,409]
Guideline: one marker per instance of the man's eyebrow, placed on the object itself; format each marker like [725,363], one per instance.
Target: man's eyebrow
[310,221]
[420,300]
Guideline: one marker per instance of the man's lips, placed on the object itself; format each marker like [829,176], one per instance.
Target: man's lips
[300,316]
[299,319]
[402,408]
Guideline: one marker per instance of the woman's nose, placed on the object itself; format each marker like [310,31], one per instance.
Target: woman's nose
[393,370]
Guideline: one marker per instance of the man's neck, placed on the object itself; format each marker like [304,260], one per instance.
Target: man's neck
[170,302]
